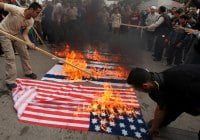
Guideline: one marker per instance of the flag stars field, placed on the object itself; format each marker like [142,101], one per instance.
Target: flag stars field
[108,129]
[112,123]
[132,127]
[124,132]
[97,128]
[103,114]
[121,117]
[122,125]
[138,134]
[94,121]
[143,130]
[140,121]
[130,120]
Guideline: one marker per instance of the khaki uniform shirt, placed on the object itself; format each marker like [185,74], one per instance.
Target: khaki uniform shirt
[15,20]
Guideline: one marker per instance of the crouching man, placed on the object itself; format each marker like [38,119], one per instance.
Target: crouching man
[175,90]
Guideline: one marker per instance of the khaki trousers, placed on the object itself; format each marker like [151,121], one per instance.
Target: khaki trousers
[11,70]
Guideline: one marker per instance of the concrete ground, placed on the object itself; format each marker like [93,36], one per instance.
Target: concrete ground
[184,128]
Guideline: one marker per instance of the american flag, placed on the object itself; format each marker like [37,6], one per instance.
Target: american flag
[65,106]
[56,74]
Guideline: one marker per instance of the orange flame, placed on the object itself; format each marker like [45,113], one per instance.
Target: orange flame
[62,53]
[98,57]
[79,60]
[109,106]
[109,103]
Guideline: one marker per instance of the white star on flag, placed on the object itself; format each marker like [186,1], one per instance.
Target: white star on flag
[140,121]
[103,122]
[130,120]
[129,112]
[120,111]
[112,116]
[122,125]
[94,113]
[109,130]
[143,130]
[94,121]
[112,123]
[121,117]
[103,114]
[97,128]
[124,132]
[132,127]
[138,134]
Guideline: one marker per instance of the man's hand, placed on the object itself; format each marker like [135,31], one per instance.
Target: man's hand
[179,28]
[191,31]
[154,132]
[32,46]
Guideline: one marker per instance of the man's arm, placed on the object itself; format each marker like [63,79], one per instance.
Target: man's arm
[26,38]
[158,119]
[156,24]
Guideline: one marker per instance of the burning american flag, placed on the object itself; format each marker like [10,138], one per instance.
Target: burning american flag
[79,107]
[104,66]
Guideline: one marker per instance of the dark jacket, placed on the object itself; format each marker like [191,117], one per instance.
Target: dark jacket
[179,89]
[165,27]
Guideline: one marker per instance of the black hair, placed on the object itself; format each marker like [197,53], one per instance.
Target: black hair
[138,76]
[179,11]
[186,17]
[162,9]
[35,6]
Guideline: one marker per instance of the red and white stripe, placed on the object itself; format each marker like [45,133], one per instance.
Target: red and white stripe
[60,105]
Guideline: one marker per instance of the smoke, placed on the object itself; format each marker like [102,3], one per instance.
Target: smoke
[90,28]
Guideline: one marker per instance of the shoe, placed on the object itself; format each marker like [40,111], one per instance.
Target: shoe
[32,76]
[11,86]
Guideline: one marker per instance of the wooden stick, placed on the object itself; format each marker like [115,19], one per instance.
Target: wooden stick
[135,26]
[43,51]
[41,40]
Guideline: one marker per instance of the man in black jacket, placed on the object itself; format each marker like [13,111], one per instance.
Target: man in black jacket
[162,27]
[175,91]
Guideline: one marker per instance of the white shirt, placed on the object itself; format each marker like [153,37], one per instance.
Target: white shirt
[15,20]
[156,24]
[151,18]
[73,13]
[57,13]
[116,20]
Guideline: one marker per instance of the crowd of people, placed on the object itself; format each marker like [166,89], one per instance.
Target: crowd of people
[166,31]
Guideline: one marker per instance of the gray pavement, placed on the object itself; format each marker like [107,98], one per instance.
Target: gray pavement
[184,128]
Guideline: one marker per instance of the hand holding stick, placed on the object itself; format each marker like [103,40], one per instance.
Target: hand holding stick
[187,30]
[43,51]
